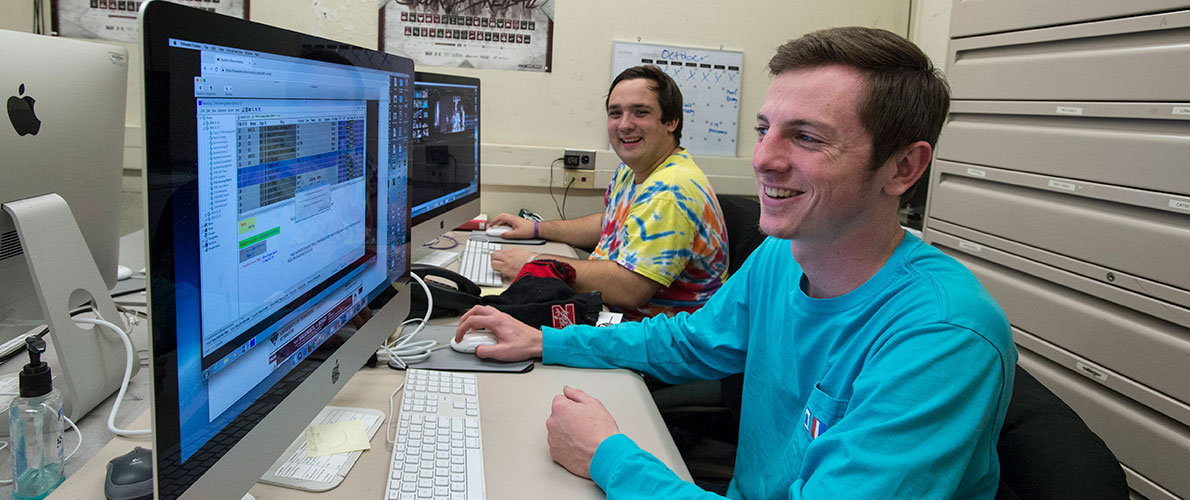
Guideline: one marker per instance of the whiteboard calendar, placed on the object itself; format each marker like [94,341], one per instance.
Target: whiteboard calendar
[710,83]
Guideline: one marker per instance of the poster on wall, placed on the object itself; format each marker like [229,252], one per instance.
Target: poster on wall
[509,35]
[116,19]
[710,82]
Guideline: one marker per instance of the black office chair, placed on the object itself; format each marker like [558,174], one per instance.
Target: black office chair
[704,417]
[1048,453]
[741,214]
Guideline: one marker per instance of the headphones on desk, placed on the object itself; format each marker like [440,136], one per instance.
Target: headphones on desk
[448,300]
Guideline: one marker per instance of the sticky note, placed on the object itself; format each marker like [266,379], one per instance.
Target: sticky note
[339,437]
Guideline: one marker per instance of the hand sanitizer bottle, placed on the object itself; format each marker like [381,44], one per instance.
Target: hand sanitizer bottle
[35,428]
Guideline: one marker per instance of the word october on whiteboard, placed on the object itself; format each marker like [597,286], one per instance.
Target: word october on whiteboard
[710,83]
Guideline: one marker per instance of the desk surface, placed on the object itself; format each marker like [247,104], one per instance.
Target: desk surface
[513,410]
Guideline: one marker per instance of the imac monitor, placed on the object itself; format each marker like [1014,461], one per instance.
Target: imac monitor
[59,136]
[443,154]
[278,246]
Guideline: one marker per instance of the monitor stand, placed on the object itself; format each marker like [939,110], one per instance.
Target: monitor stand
[91,360]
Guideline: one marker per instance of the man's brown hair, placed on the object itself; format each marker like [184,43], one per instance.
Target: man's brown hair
[906,97]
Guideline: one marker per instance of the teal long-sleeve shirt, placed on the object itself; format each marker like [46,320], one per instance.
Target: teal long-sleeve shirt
[896,389]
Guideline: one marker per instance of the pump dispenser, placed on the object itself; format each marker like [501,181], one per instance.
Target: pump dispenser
[35,429]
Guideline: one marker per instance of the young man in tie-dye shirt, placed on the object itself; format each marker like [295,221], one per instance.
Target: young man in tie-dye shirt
[660,247]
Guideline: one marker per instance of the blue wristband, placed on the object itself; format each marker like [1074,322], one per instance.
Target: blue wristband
[536,226]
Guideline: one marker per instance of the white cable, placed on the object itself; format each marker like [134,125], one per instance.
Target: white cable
[389,425]
[402,350]
[129,360]
[80,435]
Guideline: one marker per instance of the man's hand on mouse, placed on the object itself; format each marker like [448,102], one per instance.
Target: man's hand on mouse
[522,228]
[516,341]
[510,261]
[578,423]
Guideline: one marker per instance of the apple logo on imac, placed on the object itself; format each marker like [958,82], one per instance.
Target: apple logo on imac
[20,113]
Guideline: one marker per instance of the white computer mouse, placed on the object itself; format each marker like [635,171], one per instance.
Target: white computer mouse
[123,272]
[497,231]
[473,339]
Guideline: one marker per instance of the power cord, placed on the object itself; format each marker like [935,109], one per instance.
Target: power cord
[389,425]
[400,349]
[433,245]
[564,195]
[551,187]
[129,360]
[403,352]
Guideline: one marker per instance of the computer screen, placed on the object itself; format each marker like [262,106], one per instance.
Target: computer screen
[59,137]
[443,154]
[278,215]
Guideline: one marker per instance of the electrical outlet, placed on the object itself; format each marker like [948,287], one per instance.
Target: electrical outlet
[579,158]
[579,178]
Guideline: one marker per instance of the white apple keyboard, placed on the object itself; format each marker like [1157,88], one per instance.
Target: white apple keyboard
[438,452]
[476,263]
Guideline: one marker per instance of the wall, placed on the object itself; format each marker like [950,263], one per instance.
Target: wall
[929,28]
[530,117]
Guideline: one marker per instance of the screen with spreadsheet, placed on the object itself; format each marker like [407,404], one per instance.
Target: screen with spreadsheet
[278,227]
[285,217]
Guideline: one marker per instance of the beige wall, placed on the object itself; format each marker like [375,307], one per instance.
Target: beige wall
[528,118]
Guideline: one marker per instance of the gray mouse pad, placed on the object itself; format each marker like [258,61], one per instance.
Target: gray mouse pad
[447,359]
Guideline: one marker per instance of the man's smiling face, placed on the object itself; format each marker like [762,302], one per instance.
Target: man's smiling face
[812,157]
[634,126]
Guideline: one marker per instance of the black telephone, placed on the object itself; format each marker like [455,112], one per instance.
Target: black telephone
[448,301]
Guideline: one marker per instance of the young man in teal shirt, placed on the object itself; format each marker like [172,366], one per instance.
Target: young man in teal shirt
[874,365]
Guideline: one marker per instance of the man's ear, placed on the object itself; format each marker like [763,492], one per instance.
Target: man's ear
[671,126]
[908,167]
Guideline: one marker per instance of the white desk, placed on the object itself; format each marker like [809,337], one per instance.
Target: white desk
[513,409]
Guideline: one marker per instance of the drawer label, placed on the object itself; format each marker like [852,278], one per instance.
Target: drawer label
[1181,110]
[1069,110]
[1091,371]
[975,172]
[971,247]
[1065,186]
[1180,204]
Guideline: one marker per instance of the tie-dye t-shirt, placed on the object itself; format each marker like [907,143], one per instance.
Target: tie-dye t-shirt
[669,229]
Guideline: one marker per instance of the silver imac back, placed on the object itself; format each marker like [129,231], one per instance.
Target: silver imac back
[63,133]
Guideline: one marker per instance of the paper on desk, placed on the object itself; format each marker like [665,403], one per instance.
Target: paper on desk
[608,318]
[324,469]
[339,437]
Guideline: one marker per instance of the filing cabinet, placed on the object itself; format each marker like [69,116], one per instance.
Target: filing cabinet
[1062,181]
